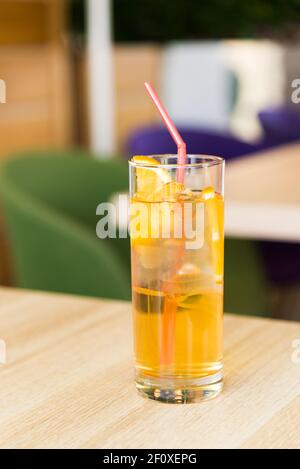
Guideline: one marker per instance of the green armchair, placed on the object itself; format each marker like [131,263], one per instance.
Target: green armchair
[50,202]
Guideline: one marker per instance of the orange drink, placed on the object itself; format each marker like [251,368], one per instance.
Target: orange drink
[177,249]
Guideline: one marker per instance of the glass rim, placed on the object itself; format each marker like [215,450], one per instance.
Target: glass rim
[211,160]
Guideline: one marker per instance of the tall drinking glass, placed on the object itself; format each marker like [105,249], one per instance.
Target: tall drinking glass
[177,252]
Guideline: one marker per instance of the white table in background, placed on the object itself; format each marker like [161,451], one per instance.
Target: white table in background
[262,195]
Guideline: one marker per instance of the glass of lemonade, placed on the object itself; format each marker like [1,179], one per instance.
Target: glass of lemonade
[177,253]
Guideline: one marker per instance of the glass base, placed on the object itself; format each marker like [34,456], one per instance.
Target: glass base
[180,390]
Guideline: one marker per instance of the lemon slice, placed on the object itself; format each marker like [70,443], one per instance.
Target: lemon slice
[168,192]
[214,209]
[153,184]
[149,180]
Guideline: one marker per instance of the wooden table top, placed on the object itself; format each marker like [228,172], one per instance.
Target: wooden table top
[68,382]
[262,195]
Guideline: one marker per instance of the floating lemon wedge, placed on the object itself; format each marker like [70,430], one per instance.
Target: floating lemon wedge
[149,180]
[214,209]
[153,185]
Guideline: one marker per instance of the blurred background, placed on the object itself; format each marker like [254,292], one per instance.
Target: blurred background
[73,109]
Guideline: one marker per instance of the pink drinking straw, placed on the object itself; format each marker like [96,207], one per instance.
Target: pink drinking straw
[169,316]
[171,128]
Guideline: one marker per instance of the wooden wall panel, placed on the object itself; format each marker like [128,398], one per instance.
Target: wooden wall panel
[32,21]
[132,66]
[38,98]
[25,71]
[23,22]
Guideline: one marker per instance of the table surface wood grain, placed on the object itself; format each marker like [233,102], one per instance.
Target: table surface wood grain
[68,382]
